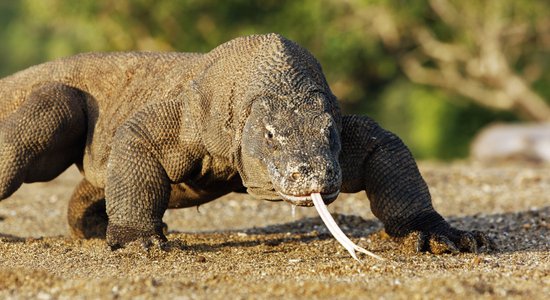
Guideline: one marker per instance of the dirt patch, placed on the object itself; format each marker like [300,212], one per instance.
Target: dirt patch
[238,247]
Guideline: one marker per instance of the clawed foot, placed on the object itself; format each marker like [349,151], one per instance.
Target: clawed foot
[120,236]
[150,243]
[453,241]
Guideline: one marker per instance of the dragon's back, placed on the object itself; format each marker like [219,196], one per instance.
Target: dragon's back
[107,77]
[115,86]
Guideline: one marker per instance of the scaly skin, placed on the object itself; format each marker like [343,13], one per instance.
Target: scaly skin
[152,131]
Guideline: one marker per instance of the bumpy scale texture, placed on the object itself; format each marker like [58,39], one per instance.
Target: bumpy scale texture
[152,131]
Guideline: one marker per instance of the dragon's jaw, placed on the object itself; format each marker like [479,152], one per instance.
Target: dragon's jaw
[306,200]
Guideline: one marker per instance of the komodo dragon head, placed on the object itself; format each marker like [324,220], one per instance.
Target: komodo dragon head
[296,150]
[291,138]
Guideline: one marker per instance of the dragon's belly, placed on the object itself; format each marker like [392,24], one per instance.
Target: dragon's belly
[188,194]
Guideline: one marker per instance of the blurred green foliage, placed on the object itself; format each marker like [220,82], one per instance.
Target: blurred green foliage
[362,69]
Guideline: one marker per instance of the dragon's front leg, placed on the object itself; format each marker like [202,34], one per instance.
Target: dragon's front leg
[378,162]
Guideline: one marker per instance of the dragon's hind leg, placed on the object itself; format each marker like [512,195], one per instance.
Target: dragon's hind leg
[87,215]
[41,138]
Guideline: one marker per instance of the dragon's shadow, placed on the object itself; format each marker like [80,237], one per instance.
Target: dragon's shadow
[512,232]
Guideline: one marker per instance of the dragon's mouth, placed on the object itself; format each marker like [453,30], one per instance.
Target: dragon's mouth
[306,200]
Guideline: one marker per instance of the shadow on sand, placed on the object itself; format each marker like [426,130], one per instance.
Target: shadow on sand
[512,232]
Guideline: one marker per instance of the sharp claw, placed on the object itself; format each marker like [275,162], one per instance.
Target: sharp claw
[422,242]
[451,242]
[469,243]
[441,244]
[153,242]
[146,244]
[487,244]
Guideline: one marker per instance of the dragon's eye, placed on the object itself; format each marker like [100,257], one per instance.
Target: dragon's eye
[270,141]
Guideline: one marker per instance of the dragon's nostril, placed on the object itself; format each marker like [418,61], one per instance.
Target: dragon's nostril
[295,175]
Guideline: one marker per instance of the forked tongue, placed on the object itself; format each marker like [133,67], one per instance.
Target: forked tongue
[336,231]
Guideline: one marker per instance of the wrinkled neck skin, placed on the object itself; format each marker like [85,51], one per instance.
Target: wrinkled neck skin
[217,95]
[252,85]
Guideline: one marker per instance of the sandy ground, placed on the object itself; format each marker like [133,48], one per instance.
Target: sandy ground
[241,248]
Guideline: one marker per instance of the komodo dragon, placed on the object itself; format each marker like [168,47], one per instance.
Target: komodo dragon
[151,131]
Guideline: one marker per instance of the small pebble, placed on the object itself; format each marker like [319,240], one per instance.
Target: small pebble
[476,261]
